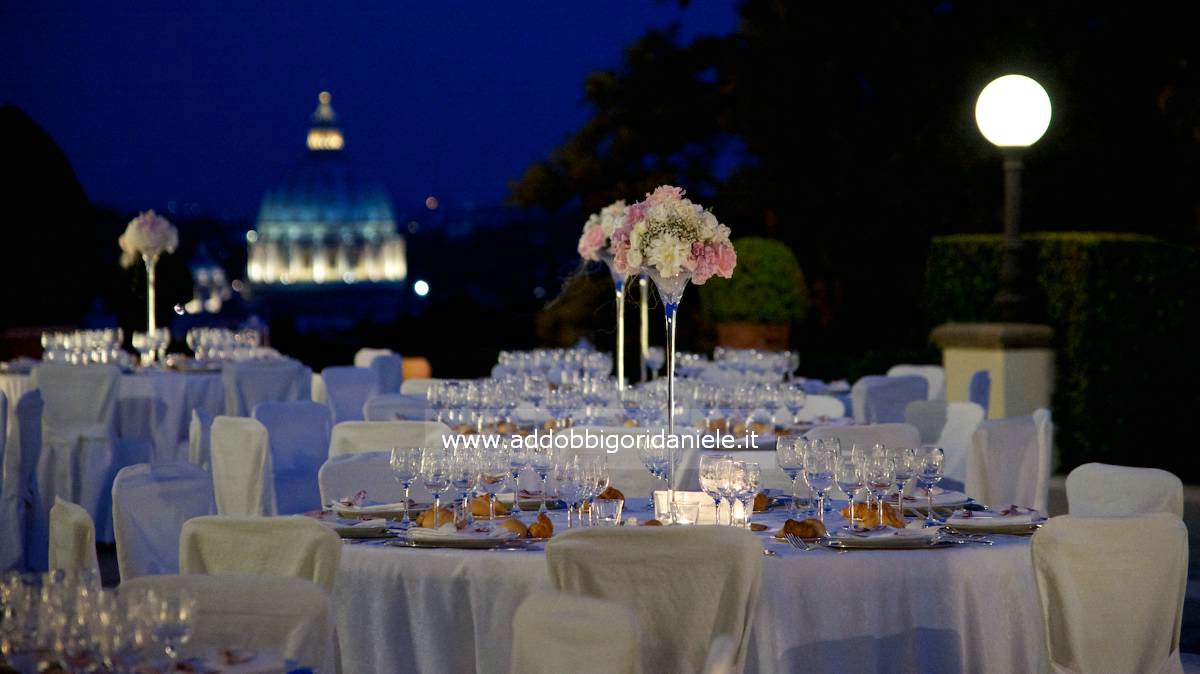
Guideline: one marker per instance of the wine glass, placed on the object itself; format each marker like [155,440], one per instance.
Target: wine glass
[435,475]
[819,463]
[655,356]
[710,475]
[518,460]
[174,621]
[789,456]
[597,481]
[849,478]
[930,469]
[567,476]
[750,476]
[905,459]
[462,477]
[880,473]
[406,465]
[541,459]
[493,471]
[654,458]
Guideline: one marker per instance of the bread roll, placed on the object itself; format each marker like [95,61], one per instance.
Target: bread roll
[868,516]
[612,493]
[542,528]
[809,528]
[652,523]
[444,516]
[516,526]
[479,507]
[761,501]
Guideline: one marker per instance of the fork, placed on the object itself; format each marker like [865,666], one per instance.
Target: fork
[797,542]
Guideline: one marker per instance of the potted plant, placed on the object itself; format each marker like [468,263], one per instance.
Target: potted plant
[756,307]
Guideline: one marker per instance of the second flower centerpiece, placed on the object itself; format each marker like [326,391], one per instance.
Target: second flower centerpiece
[596,244]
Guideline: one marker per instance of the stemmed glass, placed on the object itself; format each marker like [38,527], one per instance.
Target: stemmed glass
[493,471]
[462,478]
[567,476]
[406,465]
[518,460]
[789,456]
[595,482]
[655,356]
[534,388]
[654,457]
[541,459]
[174,621]
[711,466]
[880,474]
[435,475]
[849,479]
[930,469]
[819,463]
[905,459]
[749,477]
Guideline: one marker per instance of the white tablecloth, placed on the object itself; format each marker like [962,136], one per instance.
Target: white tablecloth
[153,409]
[968,608]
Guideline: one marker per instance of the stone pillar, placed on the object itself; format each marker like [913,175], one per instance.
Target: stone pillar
[1018,357]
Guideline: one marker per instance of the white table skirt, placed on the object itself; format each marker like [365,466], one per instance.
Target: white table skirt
[963,609]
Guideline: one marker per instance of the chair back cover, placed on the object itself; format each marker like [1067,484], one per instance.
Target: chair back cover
[79,406]
[386,363]
[1010,459]
[881,400]
[657,572]
[1101,490]
[418,387]
[295,546]
[289,617]
[888,435]
[200,438]
[934,375]
[817,406]
[397,407]
[250,382]
[298,434]
[1112,592]
[364,356]
[556,632]
[348,389]
[350,437]
[33,521]
[979,391]
[242,472]
[949,426]
[150,504]
[72,538]
[345,475]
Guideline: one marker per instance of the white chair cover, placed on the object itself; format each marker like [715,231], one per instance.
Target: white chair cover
[888,435]
[350,437]
[346,474]
[242,471]
[200,438]
[72,538]
[1101,490]
[298,434]
[934,375]
[817,406]
[12,543]
[318,392]
[366,355]
[556,632]
[34,522]
[881,400]
[397,406]
[949,426]
[1112,592]
[150,504]
[250,382]
[77,460]
[295,546]
[720,656]
[418,387]
[289,617]
[386,363]
[666,575]
[348,389]
[1010,461]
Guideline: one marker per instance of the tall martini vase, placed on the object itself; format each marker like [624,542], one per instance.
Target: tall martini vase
[151,261]
[644,328]
[670,289]
[619,284]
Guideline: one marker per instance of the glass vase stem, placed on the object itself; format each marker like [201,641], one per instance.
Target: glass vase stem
[669,311]
[620,284]
[644,328]
[151,261]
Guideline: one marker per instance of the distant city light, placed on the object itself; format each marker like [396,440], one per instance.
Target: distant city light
[252,236]
[431,203]
[1013,111]
[421,288]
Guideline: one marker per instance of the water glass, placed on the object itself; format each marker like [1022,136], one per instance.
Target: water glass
[685,512]
[406,465]
[608,511]
[930,469]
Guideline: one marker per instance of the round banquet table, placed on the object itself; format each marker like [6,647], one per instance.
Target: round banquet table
[153,409]
[966,608]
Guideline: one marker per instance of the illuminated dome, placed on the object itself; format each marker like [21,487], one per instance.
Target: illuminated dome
[324,222]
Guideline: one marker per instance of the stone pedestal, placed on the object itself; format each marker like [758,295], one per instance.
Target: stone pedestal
[1018,357]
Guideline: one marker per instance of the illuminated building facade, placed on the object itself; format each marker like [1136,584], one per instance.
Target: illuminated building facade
[323,223]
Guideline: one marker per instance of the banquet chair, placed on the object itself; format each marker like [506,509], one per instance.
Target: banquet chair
[949,426]
[1112,591]
[386,363]
[869,435]
[396,407]
[817,406]
[298,434]
[151,501]
[348,389]
[78,456]
[32,522]
[242,470]
[350,437]
[881,400]
[654,572]
[296,546]
[288,617]
[250,382]
[979,391]
[200,438]
[1009,463]
[72,538]
[1101,490]
[934,375]
[345,475]
[555,632]
[417,386]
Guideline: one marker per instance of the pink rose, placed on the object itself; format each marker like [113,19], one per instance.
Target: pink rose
[591,242]
[726,260]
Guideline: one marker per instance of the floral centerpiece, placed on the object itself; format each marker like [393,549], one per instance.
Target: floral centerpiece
[148,236]
[595,244]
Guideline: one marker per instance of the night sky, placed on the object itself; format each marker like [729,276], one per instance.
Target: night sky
[201,106]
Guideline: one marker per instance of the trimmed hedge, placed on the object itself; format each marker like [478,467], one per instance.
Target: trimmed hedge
[767,286]
[1124,310]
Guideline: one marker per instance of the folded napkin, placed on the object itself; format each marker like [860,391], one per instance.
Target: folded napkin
[260,663]
[350,527]
[1011,516]
[367,508]
[447,532]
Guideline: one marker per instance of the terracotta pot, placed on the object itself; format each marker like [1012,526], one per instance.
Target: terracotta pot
[765,336]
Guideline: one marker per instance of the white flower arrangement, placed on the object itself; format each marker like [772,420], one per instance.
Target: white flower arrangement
[148,234]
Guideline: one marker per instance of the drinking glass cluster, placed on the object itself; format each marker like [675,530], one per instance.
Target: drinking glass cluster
[84,347]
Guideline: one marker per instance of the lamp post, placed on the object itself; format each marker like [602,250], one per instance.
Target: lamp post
[1012,112]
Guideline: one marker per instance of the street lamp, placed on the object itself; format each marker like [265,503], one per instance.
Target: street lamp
[1012,113]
